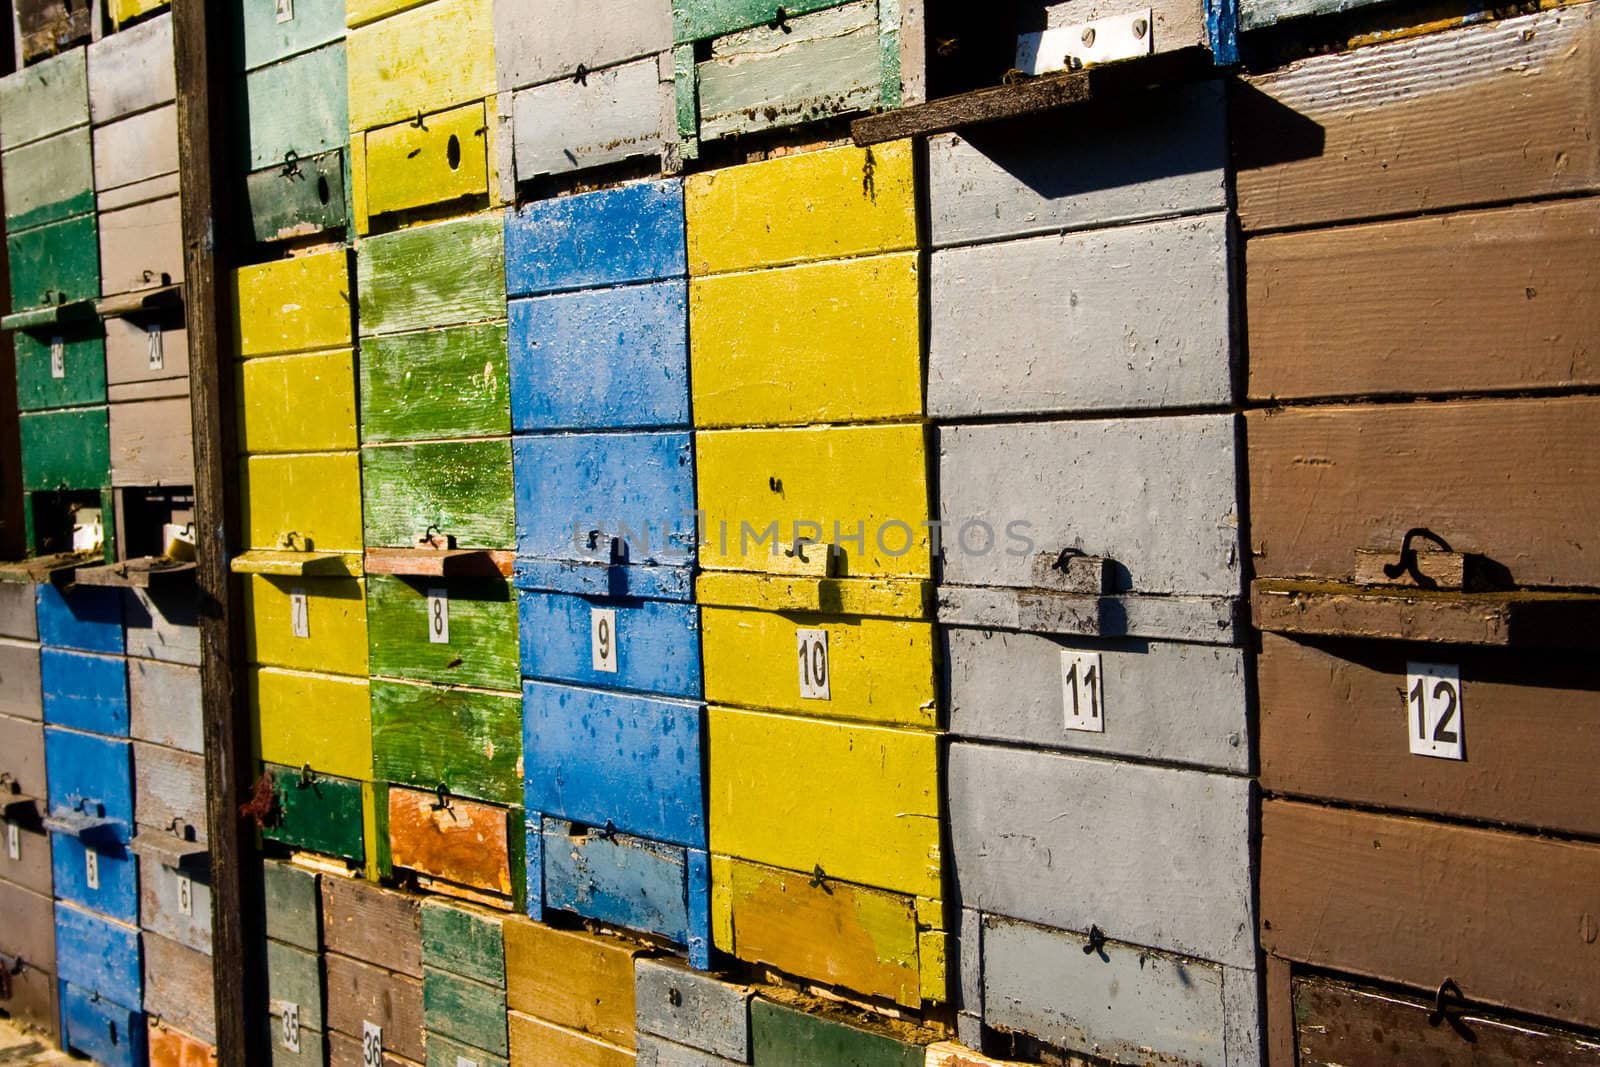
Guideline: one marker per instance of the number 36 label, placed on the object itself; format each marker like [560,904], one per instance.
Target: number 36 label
[1433,704]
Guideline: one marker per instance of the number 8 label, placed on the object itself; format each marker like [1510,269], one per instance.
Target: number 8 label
[1434,710]
[439,616]
[815,683]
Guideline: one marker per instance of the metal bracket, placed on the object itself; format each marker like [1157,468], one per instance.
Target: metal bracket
[1086,44]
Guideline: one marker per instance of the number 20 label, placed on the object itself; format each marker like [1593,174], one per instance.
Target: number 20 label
[1434,709]
[814,674]
[1082,692]
[603,639]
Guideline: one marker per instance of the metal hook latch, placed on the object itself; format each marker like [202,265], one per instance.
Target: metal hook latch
[1441,1009]
[1407,563]
[1097,940]
[306,776]
[442,791]
[291,164]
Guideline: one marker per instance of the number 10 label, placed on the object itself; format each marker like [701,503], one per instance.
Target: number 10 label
[1433,706]
[813,651]
[1082,694]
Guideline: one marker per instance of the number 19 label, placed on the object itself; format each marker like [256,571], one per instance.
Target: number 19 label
[439,616]
[603,639]
[1082,692]
[814,674]
[1433,706]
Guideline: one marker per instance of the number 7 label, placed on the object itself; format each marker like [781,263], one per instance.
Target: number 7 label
[1434,710]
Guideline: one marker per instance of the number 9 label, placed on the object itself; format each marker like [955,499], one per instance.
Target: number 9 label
[1434,710]
[603,639]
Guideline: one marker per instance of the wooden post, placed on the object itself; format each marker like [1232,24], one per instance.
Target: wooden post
[201,51]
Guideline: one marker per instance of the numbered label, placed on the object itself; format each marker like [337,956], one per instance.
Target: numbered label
[815,678]
[153,347]
[371,1045]
[185,895]
[13,841]
[58,357]
[462,1061]
[1083,705]
[299,614]
[289,1026]
[603,639]
[1433,707]
[439,616]
[285,10]
[91,868]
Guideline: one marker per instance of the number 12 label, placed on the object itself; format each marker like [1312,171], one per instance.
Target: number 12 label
[1434,708]
[439,616]
[603,639]
[1082,692]
[814,674]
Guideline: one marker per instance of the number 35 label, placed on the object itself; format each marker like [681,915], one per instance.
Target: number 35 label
[1433,704]
[814,674]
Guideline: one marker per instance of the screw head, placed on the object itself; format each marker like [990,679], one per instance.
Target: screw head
[1088,37]
[1140,28]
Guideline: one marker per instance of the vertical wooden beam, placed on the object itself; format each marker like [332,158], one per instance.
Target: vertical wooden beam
[201,49]
[13,538]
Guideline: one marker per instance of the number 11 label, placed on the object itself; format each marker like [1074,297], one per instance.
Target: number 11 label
[603,639]
[1082,692]
[439,616]
[1433,706]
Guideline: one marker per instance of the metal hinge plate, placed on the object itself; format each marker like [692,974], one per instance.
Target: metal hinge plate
[1086,44]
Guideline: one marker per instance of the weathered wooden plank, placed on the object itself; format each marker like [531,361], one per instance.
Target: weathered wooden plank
[268,37]
[447,1052]
[1411,901]
[870,944]
[85,691]
[116,894]
[1504,478]
[174,1048]
[692,1009]
[602,359]
[547,40]
[347,1051]
[877,826]
[293,901]
[294,976]
[787,1037]
[576,980]
[819,205]
[835,341]
[169,786]
[135,149]
[635,488]
[22,761]
[33,868]
[444,158]
[132,70]
[1117,1000]
[478,622]
[161,906]
[335,624]
[431,276]
[1155,155]
[314,497]
[1146,321]
[645,780]
[178,986]
[44,98]
[360,993]
[464,940]
[317,813]
[83,369]
[1171,848]
[463,842]
[98,954]
[862,489]
[1114,488]
[18,612]
[30,936]
[301,200]
[633,233]
[294,305]
[813,67]
[1337,137]
[657,643]
[460,489]
[626,881]
[535,1040]
[878,670]
[49,180]
[151,440]
[321,719]
[464,1009]
[161,625]
[83,618]
[1464,303]
[693,19]
[392,79]
[1164,701]
[1333,715]
[140,247]
[298,403]
[319,121]
[20,694]
[437,383]
[606,116]
[54,264]
[145,349]
[469,741]
[380,926]
[97,1027]
[1343,1023]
